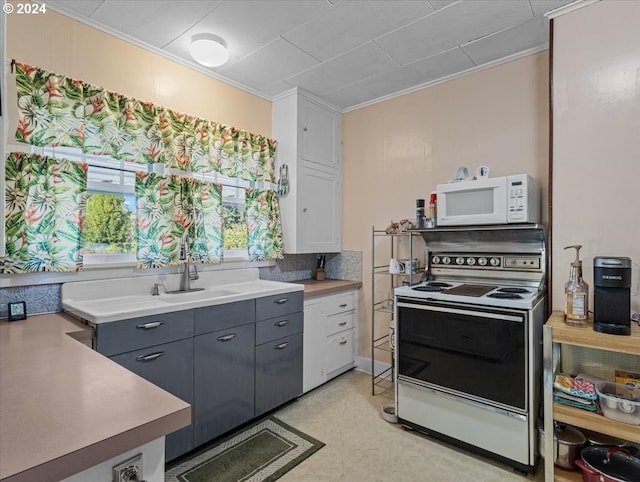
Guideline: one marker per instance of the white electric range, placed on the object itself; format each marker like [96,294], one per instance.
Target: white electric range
[467,357]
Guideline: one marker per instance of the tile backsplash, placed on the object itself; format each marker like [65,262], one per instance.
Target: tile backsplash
[39,298]
[346,265]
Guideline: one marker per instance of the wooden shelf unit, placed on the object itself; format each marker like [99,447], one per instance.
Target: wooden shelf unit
[557,332]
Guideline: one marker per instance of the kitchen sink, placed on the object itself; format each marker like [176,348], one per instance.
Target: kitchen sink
[202,294]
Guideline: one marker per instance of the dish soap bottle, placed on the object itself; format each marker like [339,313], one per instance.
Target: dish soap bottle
[576,293]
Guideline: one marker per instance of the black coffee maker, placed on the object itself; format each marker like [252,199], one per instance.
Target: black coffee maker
[612,296]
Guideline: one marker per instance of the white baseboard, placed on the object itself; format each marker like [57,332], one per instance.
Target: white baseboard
[364,365]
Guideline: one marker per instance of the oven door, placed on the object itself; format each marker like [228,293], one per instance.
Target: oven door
[471,351]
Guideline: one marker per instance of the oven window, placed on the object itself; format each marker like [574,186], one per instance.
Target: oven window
[481,356]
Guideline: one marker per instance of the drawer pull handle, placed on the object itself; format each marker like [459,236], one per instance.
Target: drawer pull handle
[281,301]
[151,325]
[149,357]
[281,346]
[343,305]
[282,323]
[343,323]
[343,342]
[227,337]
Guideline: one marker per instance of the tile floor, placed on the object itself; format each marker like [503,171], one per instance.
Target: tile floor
[362,446]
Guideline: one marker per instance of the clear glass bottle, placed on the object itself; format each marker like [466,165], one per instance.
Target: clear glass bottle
[576,292]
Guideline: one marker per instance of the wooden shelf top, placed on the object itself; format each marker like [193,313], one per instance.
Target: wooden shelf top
[595,422]
[588,337]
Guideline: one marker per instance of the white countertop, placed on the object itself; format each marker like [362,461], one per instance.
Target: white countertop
[116,299]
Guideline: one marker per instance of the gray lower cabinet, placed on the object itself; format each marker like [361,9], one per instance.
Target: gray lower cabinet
[224,381]
[278,372]
[231,362]
[170,366]
[279,329]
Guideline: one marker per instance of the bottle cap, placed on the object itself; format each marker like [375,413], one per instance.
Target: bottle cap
[432,198]
[419,203]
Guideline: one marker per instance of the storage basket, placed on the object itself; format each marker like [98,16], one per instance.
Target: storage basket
[619,402]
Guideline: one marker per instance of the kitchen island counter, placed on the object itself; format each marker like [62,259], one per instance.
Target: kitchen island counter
[65,408]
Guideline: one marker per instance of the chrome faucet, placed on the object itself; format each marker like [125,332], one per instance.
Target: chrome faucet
[187,274]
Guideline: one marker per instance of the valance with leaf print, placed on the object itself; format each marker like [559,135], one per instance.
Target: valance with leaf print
[55,110]
[45,201]
[169,206]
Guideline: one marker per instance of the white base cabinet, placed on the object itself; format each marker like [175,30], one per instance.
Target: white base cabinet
[309,143]
[329,337]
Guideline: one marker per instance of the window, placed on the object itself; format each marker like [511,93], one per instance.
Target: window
[110,235]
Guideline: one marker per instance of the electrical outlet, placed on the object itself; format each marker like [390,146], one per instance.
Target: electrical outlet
[128,471]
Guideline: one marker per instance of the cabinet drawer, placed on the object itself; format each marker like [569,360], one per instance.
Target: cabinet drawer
[127,335]
[338,323]
[340,351]
[341,303]
[278,305]
[221,317]
[280,327]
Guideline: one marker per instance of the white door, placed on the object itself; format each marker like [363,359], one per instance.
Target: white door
[320,134]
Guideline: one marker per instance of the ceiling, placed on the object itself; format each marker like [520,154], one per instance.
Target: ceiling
[349,53]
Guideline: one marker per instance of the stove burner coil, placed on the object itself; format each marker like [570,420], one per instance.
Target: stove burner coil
[432,286]
[513,290]
[505,296]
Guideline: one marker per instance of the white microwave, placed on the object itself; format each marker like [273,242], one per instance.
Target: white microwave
[496,200]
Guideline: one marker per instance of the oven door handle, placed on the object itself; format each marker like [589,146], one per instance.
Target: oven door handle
[480,405]
[497,316]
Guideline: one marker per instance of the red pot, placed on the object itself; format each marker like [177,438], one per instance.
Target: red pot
[601,464]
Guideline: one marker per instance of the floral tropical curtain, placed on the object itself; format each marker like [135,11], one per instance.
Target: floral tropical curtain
[263,225]
[169,206]
[55,110]
[45,214]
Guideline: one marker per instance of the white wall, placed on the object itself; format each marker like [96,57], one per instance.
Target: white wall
[596,138]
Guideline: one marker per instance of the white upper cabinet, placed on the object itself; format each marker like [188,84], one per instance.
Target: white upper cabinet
[310,144]
[320,134]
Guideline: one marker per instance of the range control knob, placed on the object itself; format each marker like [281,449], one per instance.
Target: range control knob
[446,260]
[482,261]
[471,261]
[495,261]
[435,259]
[459,260]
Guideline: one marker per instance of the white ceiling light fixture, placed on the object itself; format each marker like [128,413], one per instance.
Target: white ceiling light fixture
[209,50]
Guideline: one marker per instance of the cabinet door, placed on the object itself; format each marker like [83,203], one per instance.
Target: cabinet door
[224,381]
[314,346]
[320,213]
[340,353]
[169,366]
[321,131]
[278,372]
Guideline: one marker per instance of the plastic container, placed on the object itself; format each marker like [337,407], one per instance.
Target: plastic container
[617,407]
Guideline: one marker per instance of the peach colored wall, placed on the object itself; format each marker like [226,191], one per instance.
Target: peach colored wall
[63,45]
[397,151]
[596,171]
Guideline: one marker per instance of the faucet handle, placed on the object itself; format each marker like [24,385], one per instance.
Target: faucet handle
[155,291]
[193,273]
